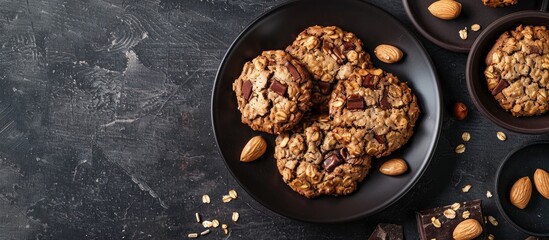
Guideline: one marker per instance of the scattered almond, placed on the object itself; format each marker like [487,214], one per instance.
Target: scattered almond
[521,192]
[445,9]
[467,229]
[541,180]
[388,53]
[394,167]
[253,149]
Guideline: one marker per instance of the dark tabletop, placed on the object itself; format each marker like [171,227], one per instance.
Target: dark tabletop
[105,128]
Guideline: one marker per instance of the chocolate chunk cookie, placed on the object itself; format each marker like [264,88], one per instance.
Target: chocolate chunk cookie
[499,3]
[312,162]
[324,51]
[373,111]
[273,92]
[517,72]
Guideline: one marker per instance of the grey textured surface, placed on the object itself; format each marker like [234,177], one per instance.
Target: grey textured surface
[105,126]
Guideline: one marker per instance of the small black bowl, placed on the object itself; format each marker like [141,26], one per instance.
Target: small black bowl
[534,219]
[476,82]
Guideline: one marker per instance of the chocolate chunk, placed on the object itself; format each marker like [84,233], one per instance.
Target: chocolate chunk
[344,153]
[535,49]
[349,45]
[325,88]
[384,102]
[246,89]
[380,138]
[368,81]
[327,46]
[278,87]
[501,85]
[427,231]
[332,161]
[355,102]
[291,68]
[386,231]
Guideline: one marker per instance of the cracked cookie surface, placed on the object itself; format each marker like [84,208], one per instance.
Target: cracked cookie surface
[517,72]
[313,162]
[327,52]
[273,92]
[499,3]
[373,112]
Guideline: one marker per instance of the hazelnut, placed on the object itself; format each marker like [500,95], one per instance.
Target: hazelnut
[460,111]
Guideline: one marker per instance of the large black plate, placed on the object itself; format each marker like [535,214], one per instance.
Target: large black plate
[533,219]
[277,29]
[445,33]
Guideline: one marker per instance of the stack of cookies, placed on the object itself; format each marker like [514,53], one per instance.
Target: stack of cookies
[331,109]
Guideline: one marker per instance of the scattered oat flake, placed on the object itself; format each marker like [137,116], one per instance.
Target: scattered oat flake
[205,198]
[225,231]
[463,33]
[224,226]
[460,148]
[227,198]
[455,206]
[491,237]
[488,194]
[493,221]
[501,136]
[197,217]
[207,224]
[205,232]
[215,223]
[436,222]
[466,188]
[233,194]
[192,235]
[466,136]
[449,213]
[235,216]
[475,27]
[465,214]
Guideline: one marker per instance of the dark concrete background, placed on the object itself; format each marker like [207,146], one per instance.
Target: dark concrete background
[105,126]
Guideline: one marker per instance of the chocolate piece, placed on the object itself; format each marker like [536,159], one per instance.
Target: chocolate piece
[384,102]
[349,45]
[344,153]
[427,231]
[246,89]
[278,87]
[332,161]
[501,85]
[325,88]
[293,71]
[368,81]
[379,138]
[327,46]
[355,102]
[535,49]
[386,231]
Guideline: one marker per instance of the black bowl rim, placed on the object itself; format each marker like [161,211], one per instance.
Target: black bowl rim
[445,45]
[431,151]
[475,53]
[496,184]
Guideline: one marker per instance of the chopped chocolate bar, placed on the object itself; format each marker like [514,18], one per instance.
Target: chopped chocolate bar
[428,230]
[386,231]
[278,88]
[355,102]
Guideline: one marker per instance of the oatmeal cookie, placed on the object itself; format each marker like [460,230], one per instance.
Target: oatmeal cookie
[313,163]
[517,72]
[324,51]
[373,111]
[273,92]
[499,3]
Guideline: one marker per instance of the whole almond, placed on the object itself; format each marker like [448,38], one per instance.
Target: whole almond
[253,149]
[445,9]
[541,180]
[467,229]
[388,53]
[394,167]
[521,192]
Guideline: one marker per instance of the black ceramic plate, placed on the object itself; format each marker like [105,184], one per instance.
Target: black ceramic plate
[277,29]
[445,33]
[534,219]
[476,81]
